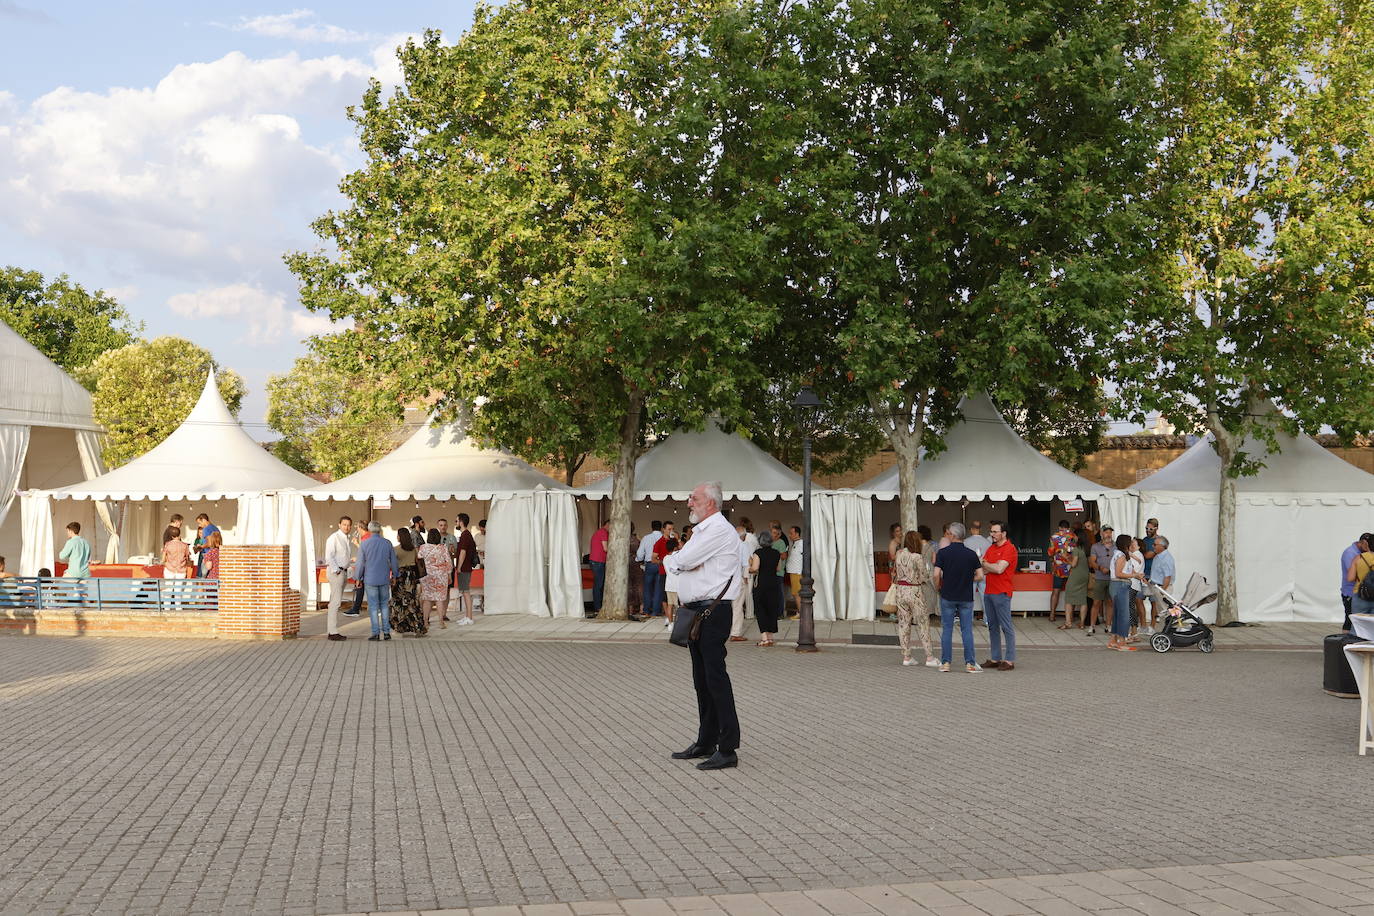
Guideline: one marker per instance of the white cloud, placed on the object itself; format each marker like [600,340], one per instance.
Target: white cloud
[298,25]
[209,174]
[263,315]
[308,324]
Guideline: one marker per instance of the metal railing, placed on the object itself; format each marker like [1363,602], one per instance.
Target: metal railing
[101,594]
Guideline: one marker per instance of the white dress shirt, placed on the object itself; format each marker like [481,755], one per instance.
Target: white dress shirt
[708,561]
[338,552]
[646,547]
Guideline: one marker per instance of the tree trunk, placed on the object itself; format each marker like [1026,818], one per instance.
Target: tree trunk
[904,429]
[615,601]
[908,456]
[1228,608]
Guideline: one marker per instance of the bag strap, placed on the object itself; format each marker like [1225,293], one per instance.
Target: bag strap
[719,598]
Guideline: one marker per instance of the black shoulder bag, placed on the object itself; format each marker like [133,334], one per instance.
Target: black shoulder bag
[687,622]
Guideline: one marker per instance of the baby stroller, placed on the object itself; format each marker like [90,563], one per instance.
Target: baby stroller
[1182,626]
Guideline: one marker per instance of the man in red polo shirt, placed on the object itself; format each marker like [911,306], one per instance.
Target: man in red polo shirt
[999,563]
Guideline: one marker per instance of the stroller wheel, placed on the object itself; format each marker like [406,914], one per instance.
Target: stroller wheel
[1161,642]
[1206,645]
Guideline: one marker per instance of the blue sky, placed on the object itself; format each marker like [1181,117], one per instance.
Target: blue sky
[171,153]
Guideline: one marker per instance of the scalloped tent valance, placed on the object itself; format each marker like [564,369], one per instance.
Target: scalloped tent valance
[439,462]
[984,459]
[674,467]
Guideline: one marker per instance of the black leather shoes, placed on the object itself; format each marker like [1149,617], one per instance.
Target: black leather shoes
[693,752]
[337,637]
[720,760]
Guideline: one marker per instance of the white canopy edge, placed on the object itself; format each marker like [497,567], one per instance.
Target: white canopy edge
[997,496]
[1183,498]
[762,495]
[442,495]
[163,495]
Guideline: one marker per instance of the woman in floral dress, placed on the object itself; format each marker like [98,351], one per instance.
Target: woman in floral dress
[434,583]
[910,575]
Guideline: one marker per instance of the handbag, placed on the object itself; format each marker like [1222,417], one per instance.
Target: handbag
[687,622]
[420,567]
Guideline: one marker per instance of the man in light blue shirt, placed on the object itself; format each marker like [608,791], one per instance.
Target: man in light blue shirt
[1162,572]
[375,569]
[652,573]
[76,554]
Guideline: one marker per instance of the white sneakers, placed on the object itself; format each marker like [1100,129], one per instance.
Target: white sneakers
[464,621]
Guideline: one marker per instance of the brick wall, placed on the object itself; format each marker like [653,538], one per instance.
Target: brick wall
[71,622]
[255,601]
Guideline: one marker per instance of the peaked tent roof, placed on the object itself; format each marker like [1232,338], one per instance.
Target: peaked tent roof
[674,467]
[439,463]
[209,456]
[984,458]
[1301,468]
[35,390]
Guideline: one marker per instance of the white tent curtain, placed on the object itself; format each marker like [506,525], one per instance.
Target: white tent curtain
[558,511]
[14,448]
[841,545]
[514,576]
[93,465]
[36,518]
[140,534]
[1301,582]
[1121,510]
[281,518]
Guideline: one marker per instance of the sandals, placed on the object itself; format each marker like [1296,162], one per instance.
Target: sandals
[1064,626]
[764,643]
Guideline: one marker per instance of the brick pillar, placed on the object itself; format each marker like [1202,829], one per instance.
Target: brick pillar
[255,600]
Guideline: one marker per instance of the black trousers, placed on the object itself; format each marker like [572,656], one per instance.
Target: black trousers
[718,723]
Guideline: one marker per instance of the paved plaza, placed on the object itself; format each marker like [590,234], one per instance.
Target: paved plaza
[469,771]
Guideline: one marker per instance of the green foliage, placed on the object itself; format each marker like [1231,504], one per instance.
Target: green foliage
[69,325]
[965,204]
[1266,185]
[142,392]
[327,418]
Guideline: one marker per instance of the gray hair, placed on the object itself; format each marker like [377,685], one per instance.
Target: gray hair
[1161,539]
[765,539]
[957,530]
[712,491]
[374,527]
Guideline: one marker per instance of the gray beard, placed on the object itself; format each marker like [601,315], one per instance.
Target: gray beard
[693,517]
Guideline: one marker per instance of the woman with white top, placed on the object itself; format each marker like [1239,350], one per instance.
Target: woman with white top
[1125,569]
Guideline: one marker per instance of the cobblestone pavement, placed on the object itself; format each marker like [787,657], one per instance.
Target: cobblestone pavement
[1031,632]
[1343,886]
[314,777]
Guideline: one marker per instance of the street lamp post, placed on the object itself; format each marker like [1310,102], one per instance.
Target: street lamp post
[807,406]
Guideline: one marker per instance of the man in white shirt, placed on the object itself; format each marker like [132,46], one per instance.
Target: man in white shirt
[794,566]
[979,544]
[645,557]
[708,575]
[743,605]
[338,559]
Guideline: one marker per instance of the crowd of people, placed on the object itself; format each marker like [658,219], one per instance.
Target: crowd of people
[405,585]
[770,567]
[1097,574]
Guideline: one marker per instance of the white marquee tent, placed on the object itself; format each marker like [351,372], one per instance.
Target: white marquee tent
[47,435]
[208,459]
[984,459]
[841,549]
[531,555]
[1293,520]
